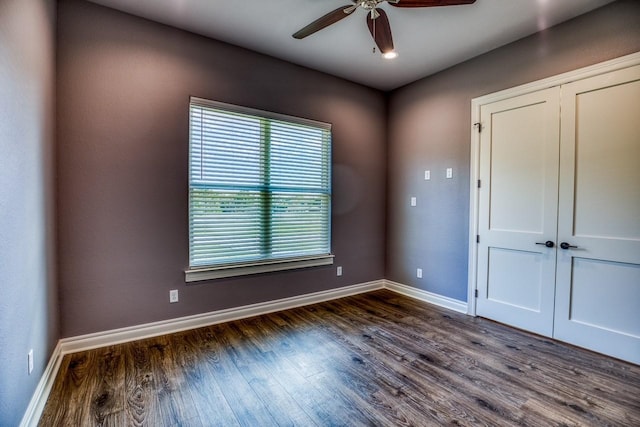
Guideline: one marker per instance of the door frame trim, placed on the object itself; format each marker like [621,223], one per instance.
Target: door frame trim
[474,166]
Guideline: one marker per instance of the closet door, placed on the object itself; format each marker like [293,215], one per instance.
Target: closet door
[518,202]
[598,278]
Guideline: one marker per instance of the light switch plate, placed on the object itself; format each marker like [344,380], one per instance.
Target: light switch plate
[414,201]
[427,175]
[449,173]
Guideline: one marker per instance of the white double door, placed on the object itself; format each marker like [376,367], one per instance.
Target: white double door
[559,213]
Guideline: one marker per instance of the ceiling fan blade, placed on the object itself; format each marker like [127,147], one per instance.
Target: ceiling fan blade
[324,21]
[380,31]
[429,3]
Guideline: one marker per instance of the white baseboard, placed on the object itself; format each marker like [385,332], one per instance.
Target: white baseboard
[40,396]
[148,330]
[430,297]
[132,333]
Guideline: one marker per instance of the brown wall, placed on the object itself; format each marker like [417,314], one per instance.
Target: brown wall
[28,294]
[122,144]
[430,129]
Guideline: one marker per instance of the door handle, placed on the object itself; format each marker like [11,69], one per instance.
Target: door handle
[565,245]
[548,243]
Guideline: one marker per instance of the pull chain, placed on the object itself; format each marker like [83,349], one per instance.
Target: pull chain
[374,32]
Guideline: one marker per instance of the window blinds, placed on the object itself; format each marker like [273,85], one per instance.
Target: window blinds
[259,186]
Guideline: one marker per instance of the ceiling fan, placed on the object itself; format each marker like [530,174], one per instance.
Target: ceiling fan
[377,19]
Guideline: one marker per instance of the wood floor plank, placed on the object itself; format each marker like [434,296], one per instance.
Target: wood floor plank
[209,401]
[107,407]
[254,368]
[371,359]
[247,407]
[142,402]
[81,385]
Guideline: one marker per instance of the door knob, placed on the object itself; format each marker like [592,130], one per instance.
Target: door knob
[565,245]
[548,243]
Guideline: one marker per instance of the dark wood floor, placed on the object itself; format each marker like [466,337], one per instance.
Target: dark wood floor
[373,359]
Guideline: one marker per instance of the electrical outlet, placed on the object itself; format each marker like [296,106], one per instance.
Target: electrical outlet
[427,175]
[449,173]
[30,361]
[339,271]
[419,273]
[173,295]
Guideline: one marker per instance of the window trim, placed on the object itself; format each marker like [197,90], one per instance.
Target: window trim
[242,268]
[247,268]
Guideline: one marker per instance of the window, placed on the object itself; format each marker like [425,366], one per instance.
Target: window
[259,191]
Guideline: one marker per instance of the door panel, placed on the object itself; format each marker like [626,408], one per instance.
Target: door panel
[606,162]
[518,168]
[588,296]
[517,209]
[515,278]
[598,281]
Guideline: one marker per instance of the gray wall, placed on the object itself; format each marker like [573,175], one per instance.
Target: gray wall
[430,129]
[28,299]
[122,147]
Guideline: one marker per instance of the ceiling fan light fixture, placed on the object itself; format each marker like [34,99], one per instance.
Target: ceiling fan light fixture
[390,55]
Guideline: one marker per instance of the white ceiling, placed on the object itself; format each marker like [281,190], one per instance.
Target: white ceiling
[427,39]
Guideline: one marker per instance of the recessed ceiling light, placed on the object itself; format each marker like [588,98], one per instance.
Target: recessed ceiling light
[390,55]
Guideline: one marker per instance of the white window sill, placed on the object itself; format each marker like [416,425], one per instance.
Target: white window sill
[243,269]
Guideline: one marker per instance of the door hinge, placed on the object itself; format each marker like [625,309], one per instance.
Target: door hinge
[479,183]
[476,293]
[477,238]
[478,126]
